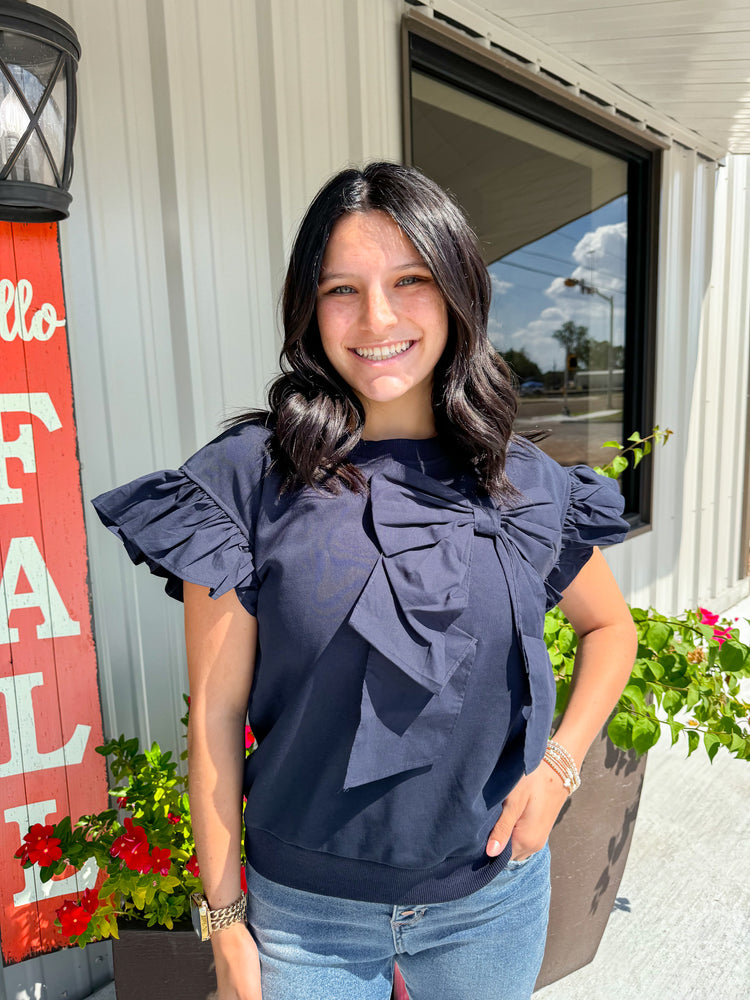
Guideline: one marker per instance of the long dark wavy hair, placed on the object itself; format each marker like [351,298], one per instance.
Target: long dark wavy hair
[316,416]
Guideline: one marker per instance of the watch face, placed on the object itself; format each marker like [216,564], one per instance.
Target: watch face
[199,916]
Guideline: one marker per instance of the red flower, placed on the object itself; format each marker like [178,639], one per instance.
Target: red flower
[133,848]
[243,879]
[192,867]
[249,738]
[161,860]
[39,846]
[122,802]
[73,917]
[90,900]
[707,618]
[173,818]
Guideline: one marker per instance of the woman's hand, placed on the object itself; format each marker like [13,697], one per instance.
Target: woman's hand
[237,964]
[529,813]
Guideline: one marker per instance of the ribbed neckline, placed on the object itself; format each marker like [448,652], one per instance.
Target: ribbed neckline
[401,449]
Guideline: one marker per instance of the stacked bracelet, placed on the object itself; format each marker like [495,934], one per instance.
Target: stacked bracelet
[563,765]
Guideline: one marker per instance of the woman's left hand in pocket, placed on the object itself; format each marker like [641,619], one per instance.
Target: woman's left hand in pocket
[529,813]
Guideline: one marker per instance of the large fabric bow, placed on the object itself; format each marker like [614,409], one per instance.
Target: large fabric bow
[420,660]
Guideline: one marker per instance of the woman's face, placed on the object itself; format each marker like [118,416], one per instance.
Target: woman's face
[383,321]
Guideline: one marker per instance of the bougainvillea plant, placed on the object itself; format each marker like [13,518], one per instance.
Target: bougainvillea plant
[144,846]
[688,669]
[686,680]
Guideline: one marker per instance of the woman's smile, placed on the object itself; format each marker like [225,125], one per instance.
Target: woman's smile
[383,352]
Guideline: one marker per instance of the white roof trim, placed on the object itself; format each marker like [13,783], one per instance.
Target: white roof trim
[483,28]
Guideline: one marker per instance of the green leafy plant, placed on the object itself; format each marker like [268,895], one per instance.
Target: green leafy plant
[688,668]
[144,847]
[686,680]
[636,450]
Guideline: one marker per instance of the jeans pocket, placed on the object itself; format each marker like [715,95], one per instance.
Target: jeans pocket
[522,862]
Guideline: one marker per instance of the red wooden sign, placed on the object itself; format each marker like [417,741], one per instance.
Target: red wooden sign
[50,719]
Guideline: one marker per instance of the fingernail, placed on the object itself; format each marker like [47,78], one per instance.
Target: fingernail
[493,848]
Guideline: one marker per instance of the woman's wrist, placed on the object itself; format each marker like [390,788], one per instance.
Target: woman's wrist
[563,764]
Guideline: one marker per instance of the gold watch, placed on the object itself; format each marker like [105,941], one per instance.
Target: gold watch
[206,921]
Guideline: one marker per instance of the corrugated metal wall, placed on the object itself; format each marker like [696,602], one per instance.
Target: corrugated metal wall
[204,130]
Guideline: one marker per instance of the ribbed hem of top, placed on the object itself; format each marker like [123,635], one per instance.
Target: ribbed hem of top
[368,881]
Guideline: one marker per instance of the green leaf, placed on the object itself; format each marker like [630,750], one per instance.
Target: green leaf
[612,444]
[635,693]
[693,696]
[637,456]
[635,436]
[658,635]
[566,639]
[656,669]
[620,730]
[732,656]
[619,464]
[645,735]
[711,743]
[676,729]
[693,740]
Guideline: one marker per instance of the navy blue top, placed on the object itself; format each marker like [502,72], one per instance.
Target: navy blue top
[402,684]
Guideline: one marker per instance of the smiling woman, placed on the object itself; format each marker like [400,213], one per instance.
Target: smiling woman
[366,567]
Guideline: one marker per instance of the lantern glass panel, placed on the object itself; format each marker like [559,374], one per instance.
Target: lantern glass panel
[33,163]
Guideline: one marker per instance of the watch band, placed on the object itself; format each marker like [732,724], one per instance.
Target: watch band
[208,921]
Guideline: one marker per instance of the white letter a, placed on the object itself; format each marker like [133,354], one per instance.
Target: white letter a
[23,554]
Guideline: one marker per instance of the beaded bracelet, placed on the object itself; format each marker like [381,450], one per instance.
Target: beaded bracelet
[563,765]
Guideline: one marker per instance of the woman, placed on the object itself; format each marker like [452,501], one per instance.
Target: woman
[366,567]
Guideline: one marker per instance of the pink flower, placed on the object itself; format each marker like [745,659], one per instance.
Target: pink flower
[249,738]
[722,634]
[707,618]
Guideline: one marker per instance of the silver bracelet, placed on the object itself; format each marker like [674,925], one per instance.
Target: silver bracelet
[563,765]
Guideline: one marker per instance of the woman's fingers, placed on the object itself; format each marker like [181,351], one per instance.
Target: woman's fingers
[529,813]
[513,808]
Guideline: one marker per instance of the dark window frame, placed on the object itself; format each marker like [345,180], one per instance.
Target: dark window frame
[446,56]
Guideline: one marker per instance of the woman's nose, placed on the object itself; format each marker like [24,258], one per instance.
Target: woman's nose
[379,312]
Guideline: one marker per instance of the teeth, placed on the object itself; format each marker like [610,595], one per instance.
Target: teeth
[382,353]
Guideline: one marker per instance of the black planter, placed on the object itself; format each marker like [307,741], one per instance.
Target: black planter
[589,846]
[159,964]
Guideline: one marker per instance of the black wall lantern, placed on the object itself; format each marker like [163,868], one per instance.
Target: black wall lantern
[39,54]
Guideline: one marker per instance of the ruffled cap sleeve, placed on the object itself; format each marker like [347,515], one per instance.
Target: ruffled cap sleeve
[181,532]
[592,517]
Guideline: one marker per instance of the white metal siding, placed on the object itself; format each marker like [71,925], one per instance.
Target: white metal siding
[204,130]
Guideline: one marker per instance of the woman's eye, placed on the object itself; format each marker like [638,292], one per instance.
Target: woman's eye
[412,279]
[341,290]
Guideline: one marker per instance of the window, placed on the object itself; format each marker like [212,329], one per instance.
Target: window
[563,210]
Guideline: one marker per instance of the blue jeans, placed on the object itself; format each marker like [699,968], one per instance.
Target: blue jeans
[486,946]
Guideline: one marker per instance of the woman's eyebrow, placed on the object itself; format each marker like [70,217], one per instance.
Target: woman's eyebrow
[330,275]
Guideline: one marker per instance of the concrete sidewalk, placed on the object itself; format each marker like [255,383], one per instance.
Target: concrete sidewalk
[680,929]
